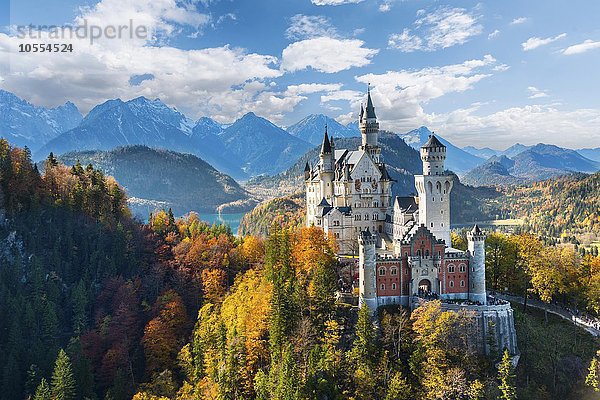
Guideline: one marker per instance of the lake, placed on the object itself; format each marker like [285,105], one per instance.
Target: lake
[233,220]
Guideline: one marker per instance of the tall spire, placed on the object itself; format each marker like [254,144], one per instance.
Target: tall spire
[326,146]
[370,110]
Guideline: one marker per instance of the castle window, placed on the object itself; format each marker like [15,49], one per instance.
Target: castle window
[393,286]
[451,283]
[394,271]
[426,253]
[418,253]
[382,286]
[337,235]
[366,217]
[473,286]
[432,224]
[462,268]
[451,268]
[382,271]
[462,283]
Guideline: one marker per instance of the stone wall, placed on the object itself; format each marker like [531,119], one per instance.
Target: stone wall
[494,321]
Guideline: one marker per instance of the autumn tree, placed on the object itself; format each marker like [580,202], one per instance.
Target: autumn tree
[506,378]
[164,333]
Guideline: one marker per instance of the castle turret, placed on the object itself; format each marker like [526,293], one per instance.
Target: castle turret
[366,270]
[369,129]
[326,168]
[307,172]
[476,244]
[434,188]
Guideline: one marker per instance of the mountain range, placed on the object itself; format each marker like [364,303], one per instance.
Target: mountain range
[535,163]
[24,124]
[311,129]
[457,159]
[165,179]
[249,147]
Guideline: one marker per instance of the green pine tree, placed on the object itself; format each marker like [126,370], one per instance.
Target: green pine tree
[63,380]
[506,378]
[43,391]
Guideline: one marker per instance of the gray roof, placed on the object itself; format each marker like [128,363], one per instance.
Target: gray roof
[370,108]
[407,203]
[476,230]
[326,146]
[432,142]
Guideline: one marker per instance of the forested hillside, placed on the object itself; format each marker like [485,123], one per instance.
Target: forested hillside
[167,179]
[566,206]
[95,305]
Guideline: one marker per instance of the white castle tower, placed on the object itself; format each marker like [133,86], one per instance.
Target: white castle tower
[476,245]
[434,188]
[367,281]
[369,129]
[326,163]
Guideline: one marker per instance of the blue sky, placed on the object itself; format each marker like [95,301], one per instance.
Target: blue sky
[483,73]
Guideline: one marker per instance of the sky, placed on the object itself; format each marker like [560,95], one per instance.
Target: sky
[488,73]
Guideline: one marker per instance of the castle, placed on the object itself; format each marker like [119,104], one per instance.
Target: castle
[403,243]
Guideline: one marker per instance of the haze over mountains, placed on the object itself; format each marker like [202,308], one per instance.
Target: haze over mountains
[538,162]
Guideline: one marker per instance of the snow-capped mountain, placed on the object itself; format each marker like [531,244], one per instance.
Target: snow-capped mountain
[24,124]
[312,127]
[206,126]
[141,121]
[263,147]
[457,160]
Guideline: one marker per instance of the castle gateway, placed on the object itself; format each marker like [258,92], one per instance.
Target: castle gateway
[403,243]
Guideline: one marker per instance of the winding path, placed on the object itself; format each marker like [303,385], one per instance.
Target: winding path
[556,310]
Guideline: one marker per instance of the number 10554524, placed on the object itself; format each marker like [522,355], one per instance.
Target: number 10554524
[45,48]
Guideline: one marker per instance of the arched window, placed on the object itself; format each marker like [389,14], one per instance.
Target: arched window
[382,271]
[394,271]
[462,283]
[382,286]
[451,283]
[393,286]
[418,253]
[426,253]
[462,268]
[451,268]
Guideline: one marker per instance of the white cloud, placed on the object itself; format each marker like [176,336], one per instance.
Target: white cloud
[535,93]
[309,26]
[386,5]
[334,2]
[528,125]
[581,47]
[519,20]
[494,34]
[445,27]
[326,54]
[223,82]
[400,95]
[308,88]
[535,42]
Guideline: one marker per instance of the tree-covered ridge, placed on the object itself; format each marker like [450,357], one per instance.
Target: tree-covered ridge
[568,205]
[285,212]
[182,182]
